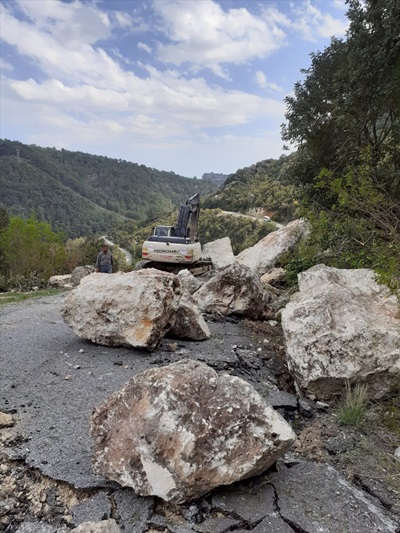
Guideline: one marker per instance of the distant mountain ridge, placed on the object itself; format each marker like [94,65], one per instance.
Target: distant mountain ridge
[218,179]
[83,194]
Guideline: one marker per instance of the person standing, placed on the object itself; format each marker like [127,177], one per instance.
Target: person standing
[105,261]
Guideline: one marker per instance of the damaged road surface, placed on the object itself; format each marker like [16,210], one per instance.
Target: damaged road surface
[50,381]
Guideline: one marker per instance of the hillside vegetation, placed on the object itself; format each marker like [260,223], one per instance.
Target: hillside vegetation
[261,188]
[84,194]
[345,119]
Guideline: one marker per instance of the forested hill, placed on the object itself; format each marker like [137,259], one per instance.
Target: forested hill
[261,188]
[83,194]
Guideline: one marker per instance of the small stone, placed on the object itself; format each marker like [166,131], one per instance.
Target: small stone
[81,350]
[105,526]
[171,346]
[6,420]
[305,408]
[68,376]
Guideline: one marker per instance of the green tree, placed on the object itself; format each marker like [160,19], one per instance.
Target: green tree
[350,100]
[344,118]
[4,218]
[31,251]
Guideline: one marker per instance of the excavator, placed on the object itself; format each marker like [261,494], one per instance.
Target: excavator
[174,248]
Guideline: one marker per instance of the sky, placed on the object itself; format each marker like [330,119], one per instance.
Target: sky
[189,86]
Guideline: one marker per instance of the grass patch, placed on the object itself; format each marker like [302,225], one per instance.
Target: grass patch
[386,413]
[352,409]
[373,461]
[13,297]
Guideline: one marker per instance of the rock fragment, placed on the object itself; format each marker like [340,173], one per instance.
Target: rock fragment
[6,420]
[263,256]
[219,252]
[105,526]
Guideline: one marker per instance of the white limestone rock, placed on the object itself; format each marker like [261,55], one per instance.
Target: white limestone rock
[81,272]
[189,284]
[273,276]
[178,431]
[219,252]
[60,282]
[189,322]
[234,291]
[124,309]
[340,326]
[263,256]
[105,526]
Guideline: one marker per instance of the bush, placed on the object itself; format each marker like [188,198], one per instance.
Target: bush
[31,252]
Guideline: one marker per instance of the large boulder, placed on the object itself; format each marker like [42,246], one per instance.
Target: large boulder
[340,326]
[60,282]
[189,284]
[124,309]
[219,252]
[179,431]
[81,272]
[234,291]
[263,256]
[189,322]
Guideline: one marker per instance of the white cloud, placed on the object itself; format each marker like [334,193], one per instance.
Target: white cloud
[145,47]
[312,23]
[68,24]
[203,34]
[340,4]
[5,65]
[184,105]
[261,80]
[85,89]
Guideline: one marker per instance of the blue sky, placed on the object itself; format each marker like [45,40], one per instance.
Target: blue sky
[189,86]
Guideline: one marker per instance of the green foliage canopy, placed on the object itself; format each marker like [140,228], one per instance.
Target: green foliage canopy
[344,118]
[30,250]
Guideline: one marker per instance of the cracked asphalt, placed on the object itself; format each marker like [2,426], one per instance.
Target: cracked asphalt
[50,380]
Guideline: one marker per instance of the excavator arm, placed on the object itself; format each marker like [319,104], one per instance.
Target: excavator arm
[188,219]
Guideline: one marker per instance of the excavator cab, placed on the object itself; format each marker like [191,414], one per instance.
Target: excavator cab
[163,231]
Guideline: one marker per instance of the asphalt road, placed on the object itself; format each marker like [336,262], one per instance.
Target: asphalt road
[50,380]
